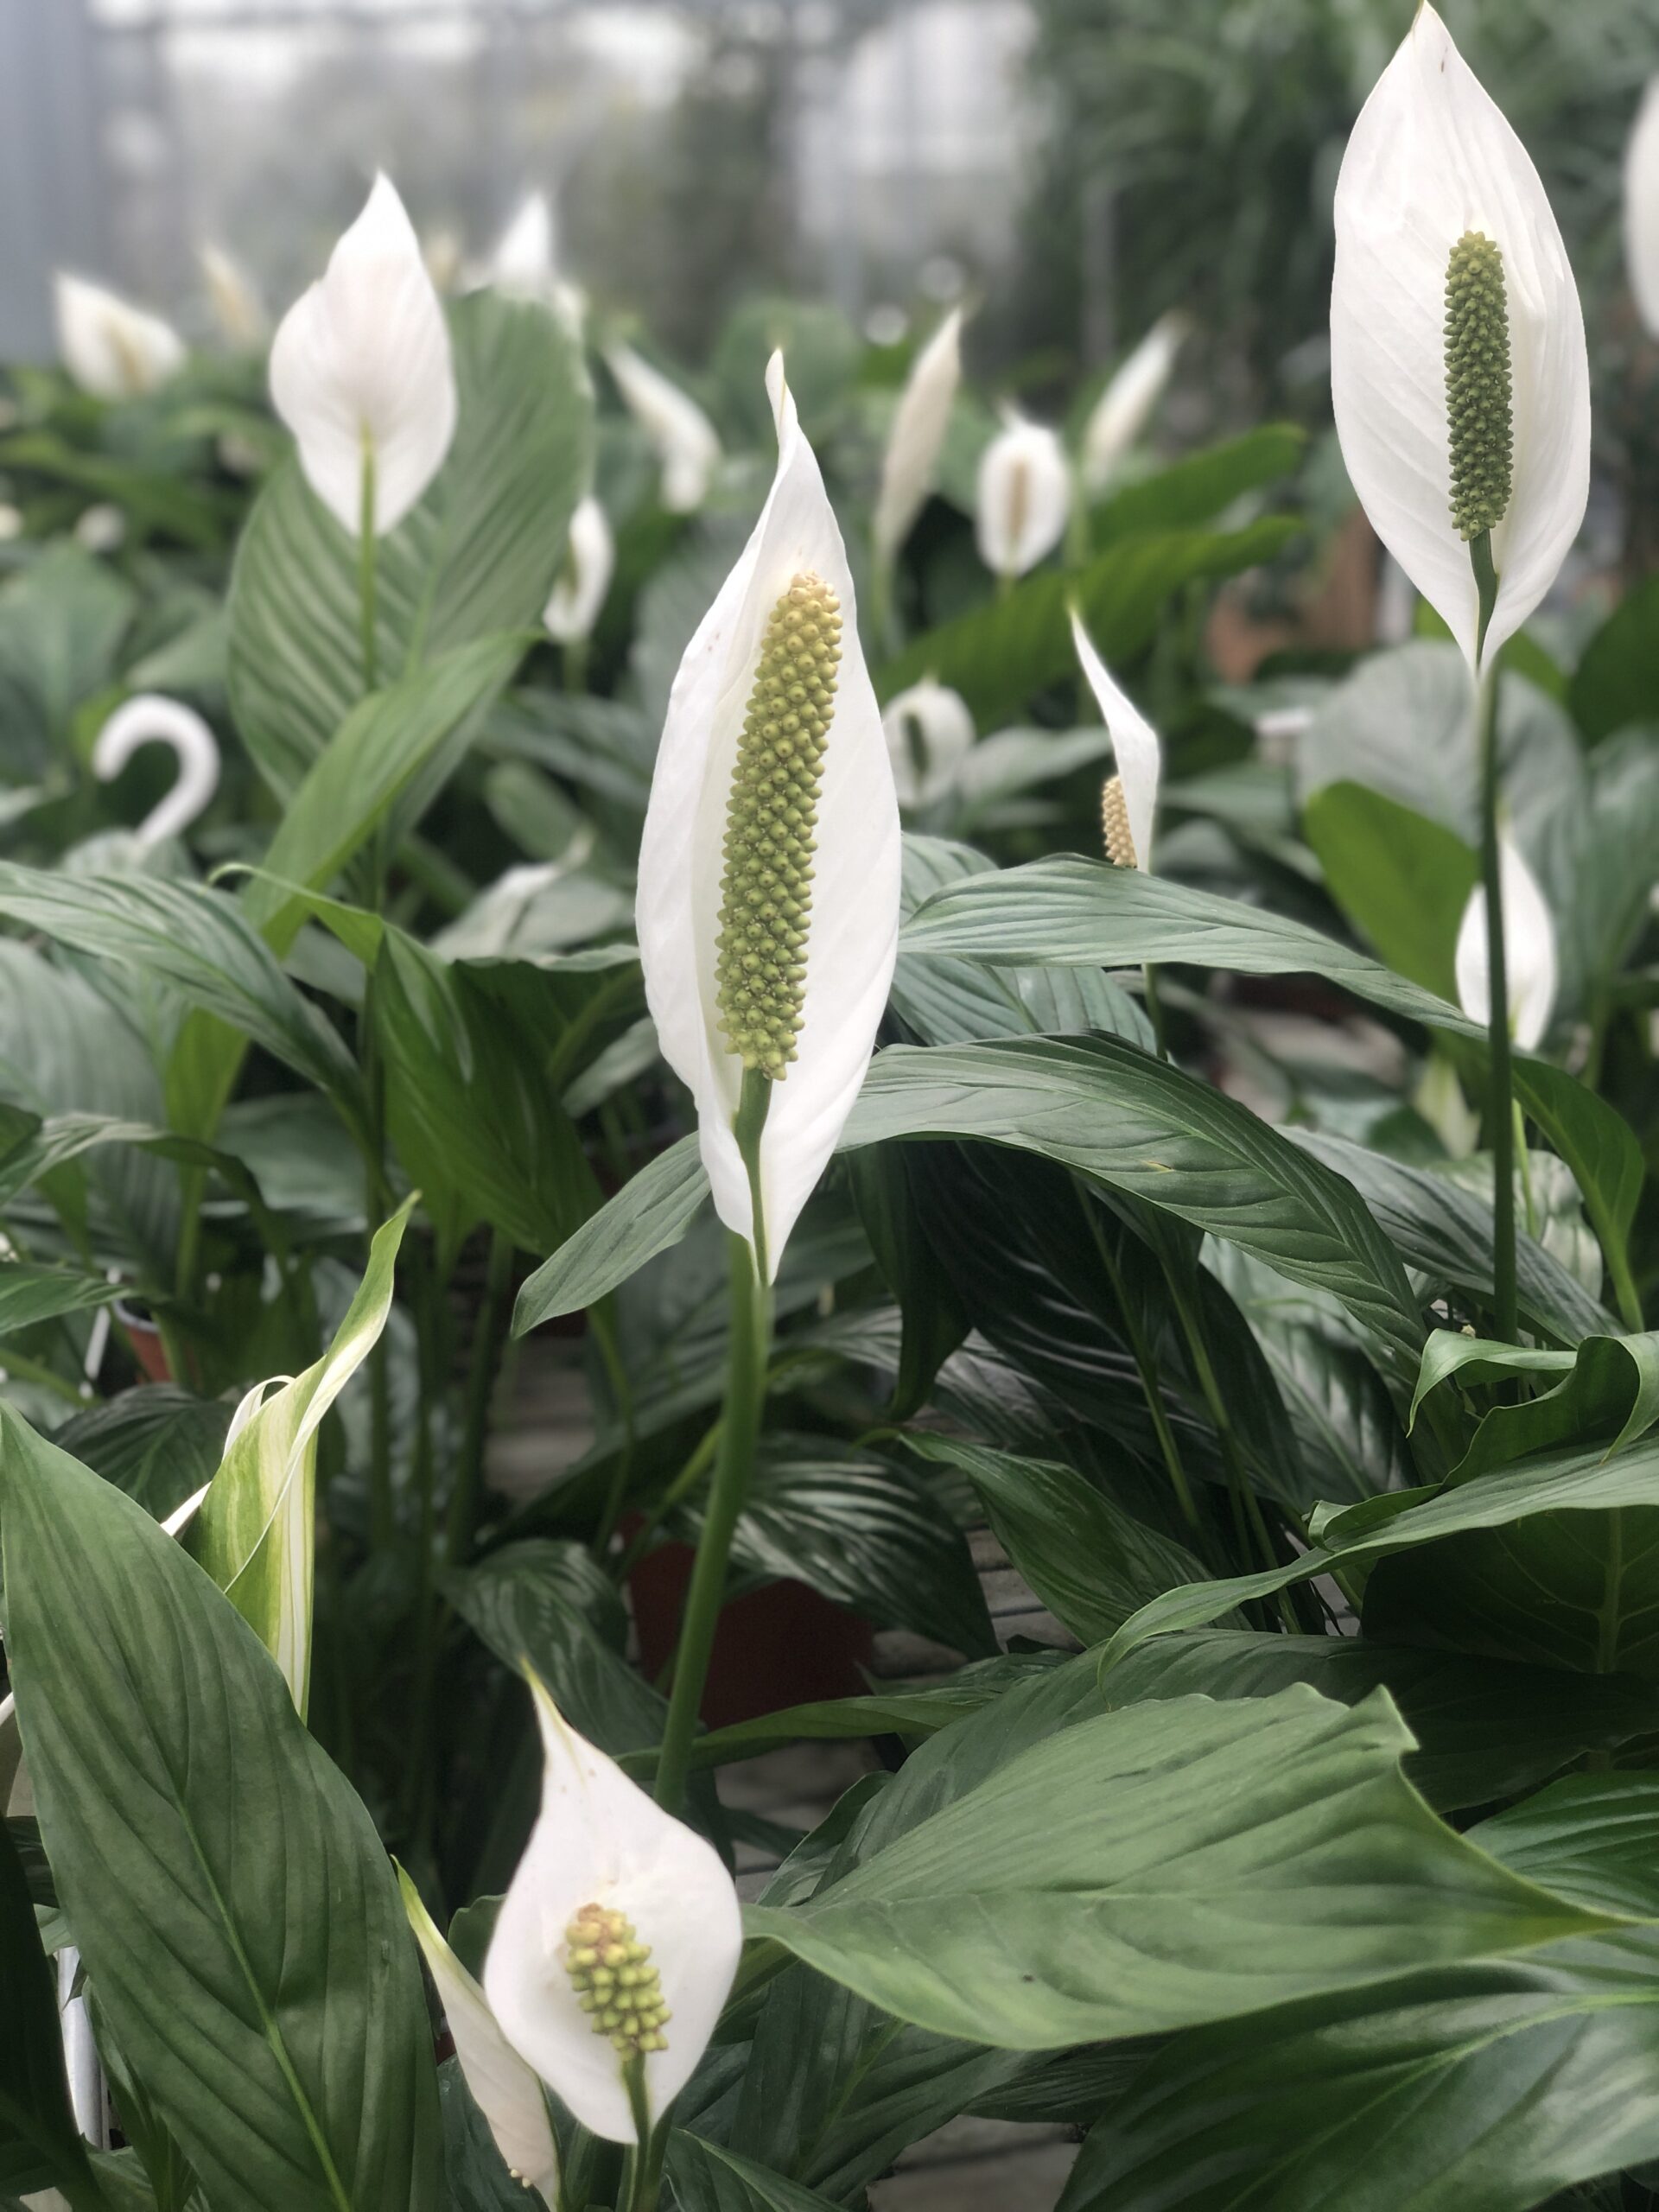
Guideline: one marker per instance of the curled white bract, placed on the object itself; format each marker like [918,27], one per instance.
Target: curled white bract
[1530,962]
[111,348]
[361,370]
[853,932]
[150,719]
[234,298]
[599,1840]
[909,464]
[1126,405]
[1134,743]
[1641,208]
[1431,158]
[685,440]
[930,734]
[1022,498]
[590,560]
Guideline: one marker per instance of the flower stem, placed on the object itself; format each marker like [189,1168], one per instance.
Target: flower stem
[367,544]
[740,1430]
[485,1362]
[644,2177]
[1500,1113]
[1154,1009]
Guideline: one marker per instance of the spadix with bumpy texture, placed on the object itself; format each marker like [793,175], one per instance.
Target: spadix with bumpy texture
[766,893]
[1115,830]
[768,906]
[1477,384]
[615,1984]
[1459,375]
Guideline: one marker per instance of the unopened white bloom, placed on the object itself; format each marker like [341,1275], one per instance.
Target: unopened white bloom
[590,560]
[1023,496]
[1431,163]
[361,370]
[849,939]
[148,718]
[930,732]
[914,442]
[668,1927]
[101,528]
[111,348]
[11,521]
[1129,802]
[234,298]
[522,264]
[1641,208]
[686,441]
[1529,952]
[1124,408]
[505,2089]
[441,251]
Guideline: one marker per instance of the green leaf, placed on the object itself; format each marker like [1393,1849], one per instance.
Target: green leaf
[1573,1485]
[1074,912]
[62,624]
[707,2177]
[199,943]
[1610,1388]
[1142,1127]
[1617,680]
[1402,880]
[477,557]
[999,656]
[1601,1149]
[866,1534]
[30,1293]
[254,1530]
[1591,1837]
[40,2144]
[1090,1562]
[1485,1729]
[934,1320]
[1477,2088]
[1200,485]
[235,1908]
[650,1213]
[1163,1865]
[160,1443]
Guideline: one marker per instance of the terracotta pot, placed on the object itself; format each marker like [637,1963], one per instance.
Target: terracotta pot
[780,1645]
[144,1339]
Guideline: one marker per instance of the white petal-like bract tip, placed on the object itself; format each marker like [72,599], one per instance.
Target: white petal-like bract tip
[600,1841]
[1430,158]
[685,440]
[852,924]
[361,364]
[909,464]
[234,298]
[1125,407]
[1022,498]
[930,734]
[505,2089]
[150,718]
[112,349]
[1135,744]
[1641,208]
[1530,962]
[590,560]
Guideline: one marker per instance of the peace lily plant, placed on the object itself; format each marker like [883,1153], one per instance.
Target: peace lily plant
[1023,496]
[1461,386]
[686,443]
[111,348]
[929,732]
[768,923]
[1641,208]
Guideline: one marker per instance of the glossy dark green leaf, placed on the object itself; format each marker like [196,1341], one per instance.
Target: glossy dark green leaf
[233,1905]
[1617,680]
[1591,1837]
[1401,879]
[1485,1728]
[707,2177]
[649,1213]
[935,1322]
[30,1293]
[1161,1865]
[1201,485]
[160,1443]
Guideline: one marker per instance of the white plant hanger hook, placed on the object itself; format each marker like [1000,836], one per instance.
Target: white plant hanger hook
[150,718]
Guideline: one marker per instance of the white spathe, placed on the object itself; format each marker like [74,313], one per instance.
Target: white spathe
[590,560]
[1134,743]
[1022,498]
[1431,158]
[505,2089]
[522,264]
[112,349]
[234,298]
[685,440]
[930,734]
[1641,208]
[148,718]
[914,442]
[600,1839]
[361,365]
[853,932]
[1125,407]
[1529,965]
